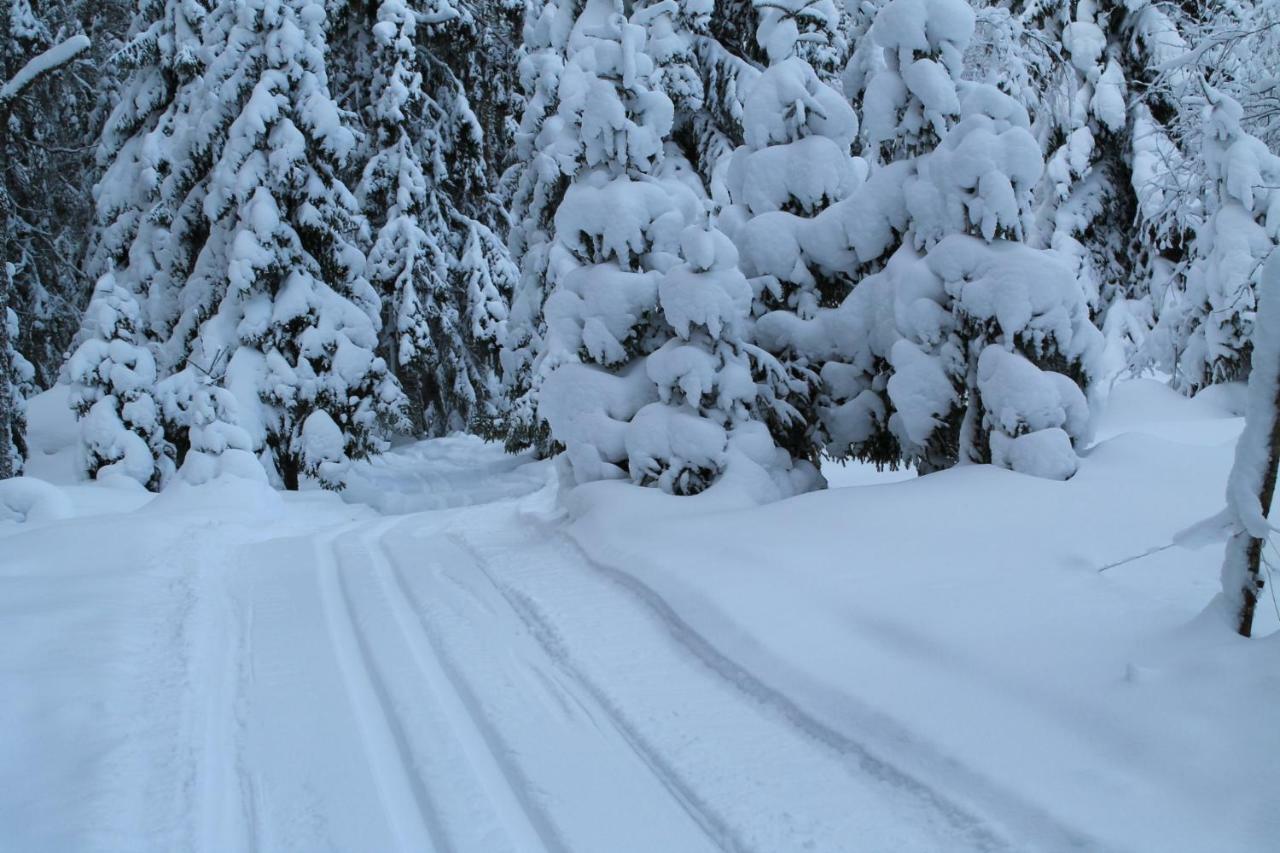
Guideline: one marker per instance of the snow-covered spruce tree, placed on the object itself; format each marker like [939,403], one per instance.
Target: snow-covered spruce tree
[969,345]
[795,164]
[141,237]
[648,371]
[709,413]
[277,295]
[909,104]
[546,160]
[49,115]
[1210,331]
[615,232]
[161,54]
[113,392]
[29,249]
[1252,484]
[1087,204]
[443,276]
[1004,325]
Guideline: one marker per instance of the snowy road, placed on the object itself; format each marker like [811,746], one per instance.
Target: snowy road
[443,664]
[458,679]
[466,681]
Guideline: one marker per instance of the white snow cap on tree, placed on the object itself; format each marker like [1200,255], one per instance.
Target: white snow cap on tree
[979,179]
[912,101]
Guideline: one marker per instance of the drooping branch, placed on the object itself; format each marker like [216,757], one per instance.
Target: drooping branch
[45,63]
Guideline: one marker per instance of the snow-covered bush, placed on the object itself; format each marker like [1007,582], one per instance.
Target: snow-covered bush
[205,415]
[113,392]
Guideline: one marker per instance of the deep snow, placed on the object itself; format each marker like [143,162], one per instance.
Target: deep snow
[458,656]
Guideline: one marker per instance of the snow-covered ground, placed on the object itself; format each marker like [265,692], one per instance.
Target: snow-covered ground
[455,656]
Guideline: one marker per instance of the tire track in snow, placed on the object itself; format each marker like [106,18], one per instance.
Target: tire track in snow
[861,758]
[715,827]
[527,827]
[401,793]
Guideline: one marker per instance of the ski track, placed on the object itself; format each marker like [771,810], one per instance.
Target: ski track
[223,813]
[469,652]
[405,803]
[507,782]
[783,721]
[716,829]
[502,782]
[863,759]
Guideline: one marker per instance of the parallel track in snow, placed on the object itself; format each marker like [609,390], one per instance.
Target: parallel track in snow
[716,692]
[406,803]
[526,826]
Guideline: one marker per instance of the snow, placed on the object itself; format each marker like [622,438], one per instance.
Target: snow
[448,661]
[733,243]
[50,60]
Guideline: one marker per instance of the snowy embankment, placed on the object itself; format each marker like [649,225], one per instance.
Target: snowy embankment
[968,624]
[448,661]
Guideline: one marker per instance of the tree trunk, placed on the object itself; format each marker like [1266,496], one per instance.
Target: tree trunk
[289,466]
[1253,476]
[7,403]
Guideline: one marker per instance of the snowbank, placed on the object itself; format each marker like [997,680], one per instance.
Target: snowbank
[961,620]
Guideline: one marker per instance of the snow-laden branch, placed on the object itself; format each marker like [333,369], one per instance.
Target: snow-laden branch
[51,60]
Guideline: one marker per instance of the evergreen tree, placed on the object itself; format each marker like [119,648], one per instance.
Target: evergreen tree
[17,377]
[794,165]
[545,163]
[967,344]
[1087,196]
[614,233]
[996,340]
[113,392]
[1211,327]
[648,367]
[709,414]
[31,241]
[442,274]
[161,55]
[276,303]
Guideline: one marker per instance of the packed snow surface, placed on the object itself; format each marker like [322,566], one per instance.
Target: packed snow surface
[462,655]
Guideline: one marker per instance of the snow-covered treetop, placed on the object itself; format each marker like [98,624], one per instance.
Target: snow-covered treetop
[789,102]
[787,25]
[609,115]
[909,104]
